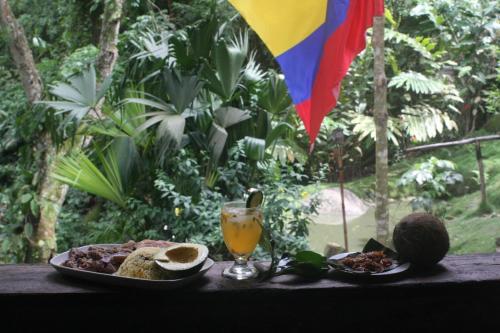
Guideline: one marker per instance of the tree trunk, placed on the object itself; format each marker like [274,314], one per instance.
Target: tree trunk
[52,193]
[43,241]
[109,37]
[381,145]
[21,53]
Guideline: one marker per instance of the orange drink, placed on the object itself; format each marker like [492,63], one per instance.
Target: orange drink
[241,229]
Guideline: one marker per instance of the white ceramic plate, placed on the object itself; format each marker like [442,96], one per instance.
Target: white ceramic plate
[115,280]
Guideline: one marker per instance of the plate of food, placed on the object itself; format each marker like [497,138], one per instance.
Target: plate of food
[375,260]
[147,264]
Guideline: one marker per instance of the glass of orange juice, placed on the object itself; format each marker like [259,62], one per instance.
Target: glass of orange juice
[241,229]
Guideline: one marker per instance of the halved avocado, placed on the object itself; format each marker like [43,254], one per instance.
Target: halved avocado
[182,259]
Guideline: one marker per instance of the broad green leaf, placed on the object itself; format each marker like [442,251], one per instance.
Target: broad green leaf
[228,116]
[182,89]
[274,96]
[127,157]
[311,257]
[262,125]
[229,58]
[278,131]
[28,230]
[202,38]
[80,95]
[217,140]
[79,171]
[25,198]
[172,128]
[255,148]
[155,103]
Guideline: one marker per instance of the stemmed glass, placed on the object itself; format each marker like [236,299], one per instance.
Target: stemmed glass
[241,228]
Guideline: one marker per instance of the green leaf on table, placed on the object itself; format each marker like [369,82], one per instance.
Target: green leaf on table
[310,257]
[307,264]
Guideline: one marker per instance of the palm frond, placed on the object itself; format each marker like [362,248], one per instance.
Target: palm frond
[364,127]
[274,96]
[229,58]
[181,89]
[424,122]
[417,83]
[255,148]
[415,44]
[78,171]
[229,116]
[216,142]
[152,45]
[253,72]
[280,129]
[79,95]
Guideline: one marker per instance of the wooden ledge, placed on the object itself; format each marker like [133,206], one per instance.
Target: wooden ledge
[462,289]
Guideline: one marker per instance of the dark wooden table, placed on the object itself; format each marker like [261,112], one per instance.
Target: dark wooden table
[463,290]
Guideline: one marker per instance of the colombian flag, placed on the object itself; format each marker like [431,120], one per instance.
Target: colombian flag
[314,41]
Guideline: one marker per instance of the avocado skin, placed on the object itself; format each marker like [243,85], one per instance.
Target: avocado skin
[421,239]
[170,274]
[176,270]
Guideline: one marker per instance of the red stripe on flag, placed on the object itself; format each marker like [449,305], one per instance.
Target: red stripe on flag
[338,53]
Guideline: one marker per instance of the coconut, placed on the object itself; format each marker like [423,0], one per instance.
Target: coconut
[421,239]
[182,259]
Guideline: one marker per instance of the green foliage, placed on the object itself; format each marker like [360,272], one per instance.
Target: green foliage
[79,60]
[229,58]
[81,95]
[197,113]
[84,220]
[308,264]
[18,211]
[424,122]
[286,217]
[364,126]
[430,180]
[416,82]
[77,170]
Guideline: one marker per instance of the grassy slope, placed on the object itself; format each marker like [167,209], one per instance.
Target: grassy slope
[470,231]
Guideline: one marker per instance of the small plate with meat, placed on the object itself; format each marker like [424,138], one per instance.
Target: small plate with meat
[374,260]
[132,264]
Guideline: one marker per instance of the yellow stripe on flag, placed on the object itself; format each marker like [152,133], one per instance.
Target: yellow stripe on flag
[282,24]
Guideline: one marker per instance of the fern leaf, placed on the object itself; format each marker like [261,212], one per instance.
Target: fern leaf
[424,122]
[417,83]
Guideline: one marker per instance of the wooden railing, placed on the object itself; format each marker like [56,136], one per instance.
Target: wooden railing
[462,290]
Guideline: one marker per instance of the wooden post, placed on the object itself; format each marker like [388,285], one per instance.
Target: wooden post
[338,139]
[381,145]
[480,166]
[341,181]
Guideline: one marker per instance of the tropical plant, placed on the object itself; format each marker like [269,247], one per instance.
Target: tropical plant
[80,95]
[430,180]
[78,171]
